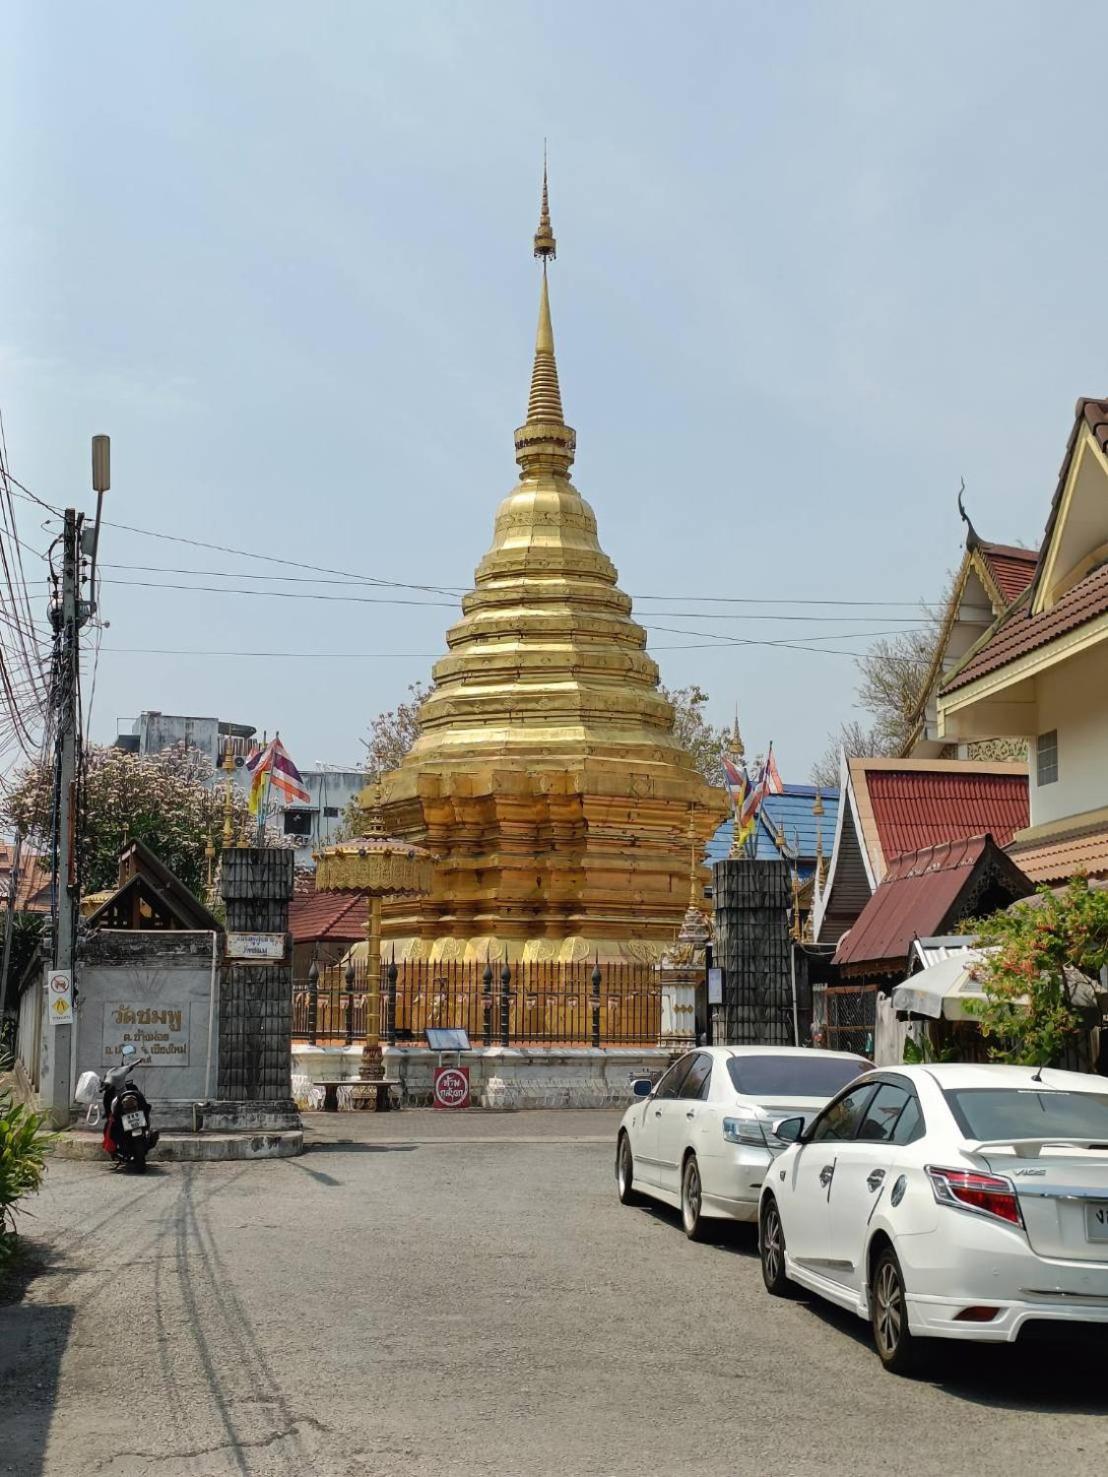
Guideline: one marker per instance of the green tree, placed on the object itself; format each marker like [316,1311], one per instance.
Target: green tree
[1029,1014]
[891,678]
[165,800]
[706,743]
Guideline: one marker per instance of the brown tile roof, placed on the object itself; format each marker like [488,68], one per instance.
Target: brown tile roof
[1088,414]
[339,917]
[919,895]
[1057,858]
[1012,569]
[1018,633]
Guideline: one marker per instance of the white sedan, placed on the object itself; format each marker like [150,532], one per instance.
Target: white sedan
[702,1139]
[947,1201]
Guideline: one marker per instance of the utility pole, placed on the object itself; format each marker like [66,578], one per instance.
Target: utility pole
[9,921]
[69,615]
[67,618]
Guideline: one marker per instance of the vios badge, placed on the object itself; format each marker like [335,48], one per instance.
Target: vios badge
[898,1190]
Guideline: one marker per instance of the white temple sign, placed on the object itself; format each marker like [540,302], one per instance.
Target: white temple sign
[263,946]
[159,1032]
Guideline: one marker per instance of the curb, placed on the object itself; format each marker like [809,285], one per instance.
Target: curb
[177,1148]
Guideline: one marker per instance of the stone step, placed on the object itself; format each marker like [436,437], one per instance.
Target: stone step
[177,1148]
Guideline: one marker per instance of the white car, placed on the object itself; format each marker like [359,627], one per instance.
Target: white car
[702,1138]
[947,1201]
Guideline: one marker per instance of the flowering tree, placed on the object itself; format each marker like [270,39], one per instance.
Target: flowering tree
[165,800]
[1029,1014]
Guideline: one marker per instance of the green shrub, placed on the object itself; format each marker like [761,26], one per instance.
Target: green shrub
[24,1144]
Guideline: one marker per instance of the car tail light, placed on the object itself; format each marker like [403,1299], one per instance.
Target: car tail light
[983,1194]
[976,1315]
[744,1131]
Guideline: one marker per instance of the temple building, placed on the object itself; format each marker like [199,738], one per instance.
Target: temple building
[547,782]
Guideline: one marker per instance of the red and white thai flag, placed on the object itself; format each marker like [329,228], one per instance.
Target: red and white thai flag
[771,778]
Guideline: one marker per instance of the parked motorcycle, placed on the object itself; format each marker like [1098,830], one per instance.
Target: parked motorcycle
[128,1137]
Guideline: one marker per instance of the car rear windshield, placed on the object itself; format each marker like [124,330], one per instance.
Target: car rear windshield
[1029,1113]
[793,1076]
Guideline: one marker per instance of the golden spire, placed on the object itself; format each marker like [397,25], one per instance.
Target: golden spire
[546,247]
[544,443]
[735,745]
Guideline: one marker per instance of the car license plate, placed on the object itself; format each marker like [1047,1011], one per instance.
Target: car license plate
[133,1121]
[1096,1221]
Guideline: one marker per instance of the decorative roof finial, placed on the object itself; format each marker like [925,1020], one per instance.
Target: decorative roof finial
[735,745]
[546,247]
[544,443]
[972,539]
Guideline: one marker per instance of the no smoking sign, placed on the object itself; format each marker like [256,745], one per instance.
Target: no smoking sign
[451,1087]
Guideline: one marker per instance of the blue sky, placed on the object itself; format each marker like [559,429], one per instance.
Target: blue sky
[816,263]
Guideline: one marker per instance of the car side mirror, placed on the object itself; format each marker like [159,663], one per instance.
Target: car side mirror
[642,1087]
[789,1130]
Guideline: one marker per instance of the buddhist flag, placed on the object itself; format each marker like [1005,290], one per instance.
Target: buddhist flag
[275,764]
[285,776]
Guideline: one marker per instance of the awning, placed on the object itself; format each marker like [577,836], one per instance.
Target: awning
[942,990]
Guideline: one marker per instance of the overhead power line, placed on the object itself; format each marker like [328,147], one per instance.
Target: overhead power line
[349,576]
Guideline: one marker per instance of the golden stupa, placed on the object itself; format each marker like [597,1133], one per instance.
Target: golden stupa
[546,781]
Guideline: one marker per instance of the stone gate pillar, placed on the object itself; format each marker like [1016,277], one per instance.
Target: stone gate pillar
[255,998]
[752,902]
[682,973]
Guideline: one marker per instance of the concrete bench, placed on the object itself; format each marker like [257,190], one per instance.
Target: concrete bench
[361,1094]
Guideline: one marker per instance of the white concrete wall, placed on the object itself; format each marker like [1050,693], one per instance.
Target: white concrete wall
[170,971]
[1074,700]
[500,1077]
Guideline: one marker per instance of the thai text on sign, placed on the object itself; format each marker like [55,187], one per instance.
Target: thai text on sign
[160,1032]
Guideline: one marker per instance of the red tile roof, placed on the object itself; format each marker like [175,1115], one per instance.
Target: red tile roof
[1019,633]
[340,917]
[918,896]
[1013,569]
[918,808]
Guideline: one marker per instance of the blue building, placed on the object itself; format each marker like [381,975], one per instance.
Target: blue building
[790,818]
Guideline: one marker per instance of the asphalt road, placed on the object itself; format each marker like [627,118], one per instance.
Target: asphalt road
[464,1295]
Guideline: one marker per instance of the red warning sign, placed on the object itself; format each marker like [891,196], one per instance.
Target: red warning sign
[451,1087]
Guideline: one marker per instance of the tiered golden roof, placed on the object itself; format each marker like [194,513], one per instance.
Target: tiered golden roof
[547,778]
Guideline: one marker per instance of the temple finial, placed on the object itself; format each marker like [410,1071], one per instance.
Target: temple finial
[972,539]
[735,743]
[545,442]
[546,247]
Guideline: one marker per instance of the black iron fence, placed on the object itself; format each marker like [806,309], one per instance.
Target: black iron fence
[519,1004]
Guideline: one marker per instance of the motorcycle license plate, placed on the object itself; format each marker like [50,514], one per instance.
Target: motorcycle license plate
[134,1122]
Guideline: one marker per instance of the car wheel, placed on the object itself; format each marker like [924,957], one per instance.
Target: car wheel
[692,1196]
[897,1347]
[771,1250]
[625,1173]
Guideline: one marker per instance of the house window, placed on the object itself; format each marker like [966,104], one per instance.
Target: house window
[331,812]
[1046,758]
[298,822]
